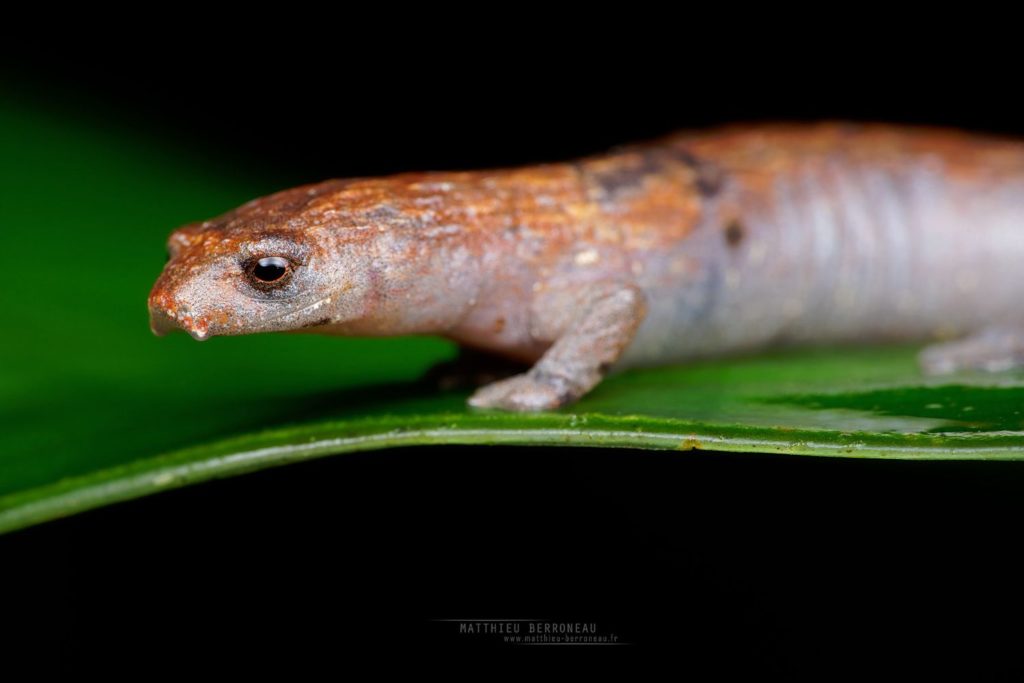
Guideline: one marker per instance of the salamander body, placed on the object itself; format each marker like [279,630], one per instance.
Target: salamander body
[695,245]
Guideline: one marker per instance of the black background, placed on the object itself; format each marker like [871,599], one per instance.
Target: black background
[754,562]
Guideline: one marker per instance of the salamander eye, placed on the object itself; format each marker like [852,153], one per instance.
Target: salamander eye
[269,270]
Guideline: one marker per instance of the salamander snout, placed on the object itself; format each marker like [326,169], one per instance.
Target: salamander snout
[166,315]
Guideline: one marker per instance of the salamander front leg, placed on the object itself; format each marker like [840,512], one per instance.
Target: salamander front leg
[992,349]
[578,360]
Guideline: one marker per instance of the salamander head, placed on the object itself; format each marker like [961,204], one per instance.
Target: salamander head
[267,266]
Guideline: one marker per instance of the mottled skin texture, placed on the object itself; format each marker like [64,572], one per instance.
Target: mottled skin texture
[691,246]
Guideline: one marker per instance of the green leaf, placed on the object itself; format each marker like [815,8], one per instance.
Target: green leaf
[94,409]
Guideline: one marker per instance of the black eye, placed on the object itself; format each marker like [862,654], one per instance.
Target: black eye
[270,269]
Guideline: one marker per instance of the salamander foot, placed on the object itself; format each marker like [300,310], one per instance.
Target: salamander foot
[525,392]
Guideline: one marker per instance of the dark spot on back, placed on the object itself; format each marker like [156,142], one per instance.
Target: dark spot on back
[708,177]
[626,177]
[734,233]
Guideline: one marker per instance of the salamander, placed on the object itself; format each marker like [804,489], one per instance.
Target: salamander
[695,245]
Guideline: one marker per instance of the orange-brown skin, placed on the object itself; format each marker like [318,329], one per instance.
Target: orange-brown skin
[694,245]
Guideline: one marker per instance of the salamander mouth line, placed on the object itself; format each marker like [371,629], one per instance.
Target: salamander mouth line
[305,309]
